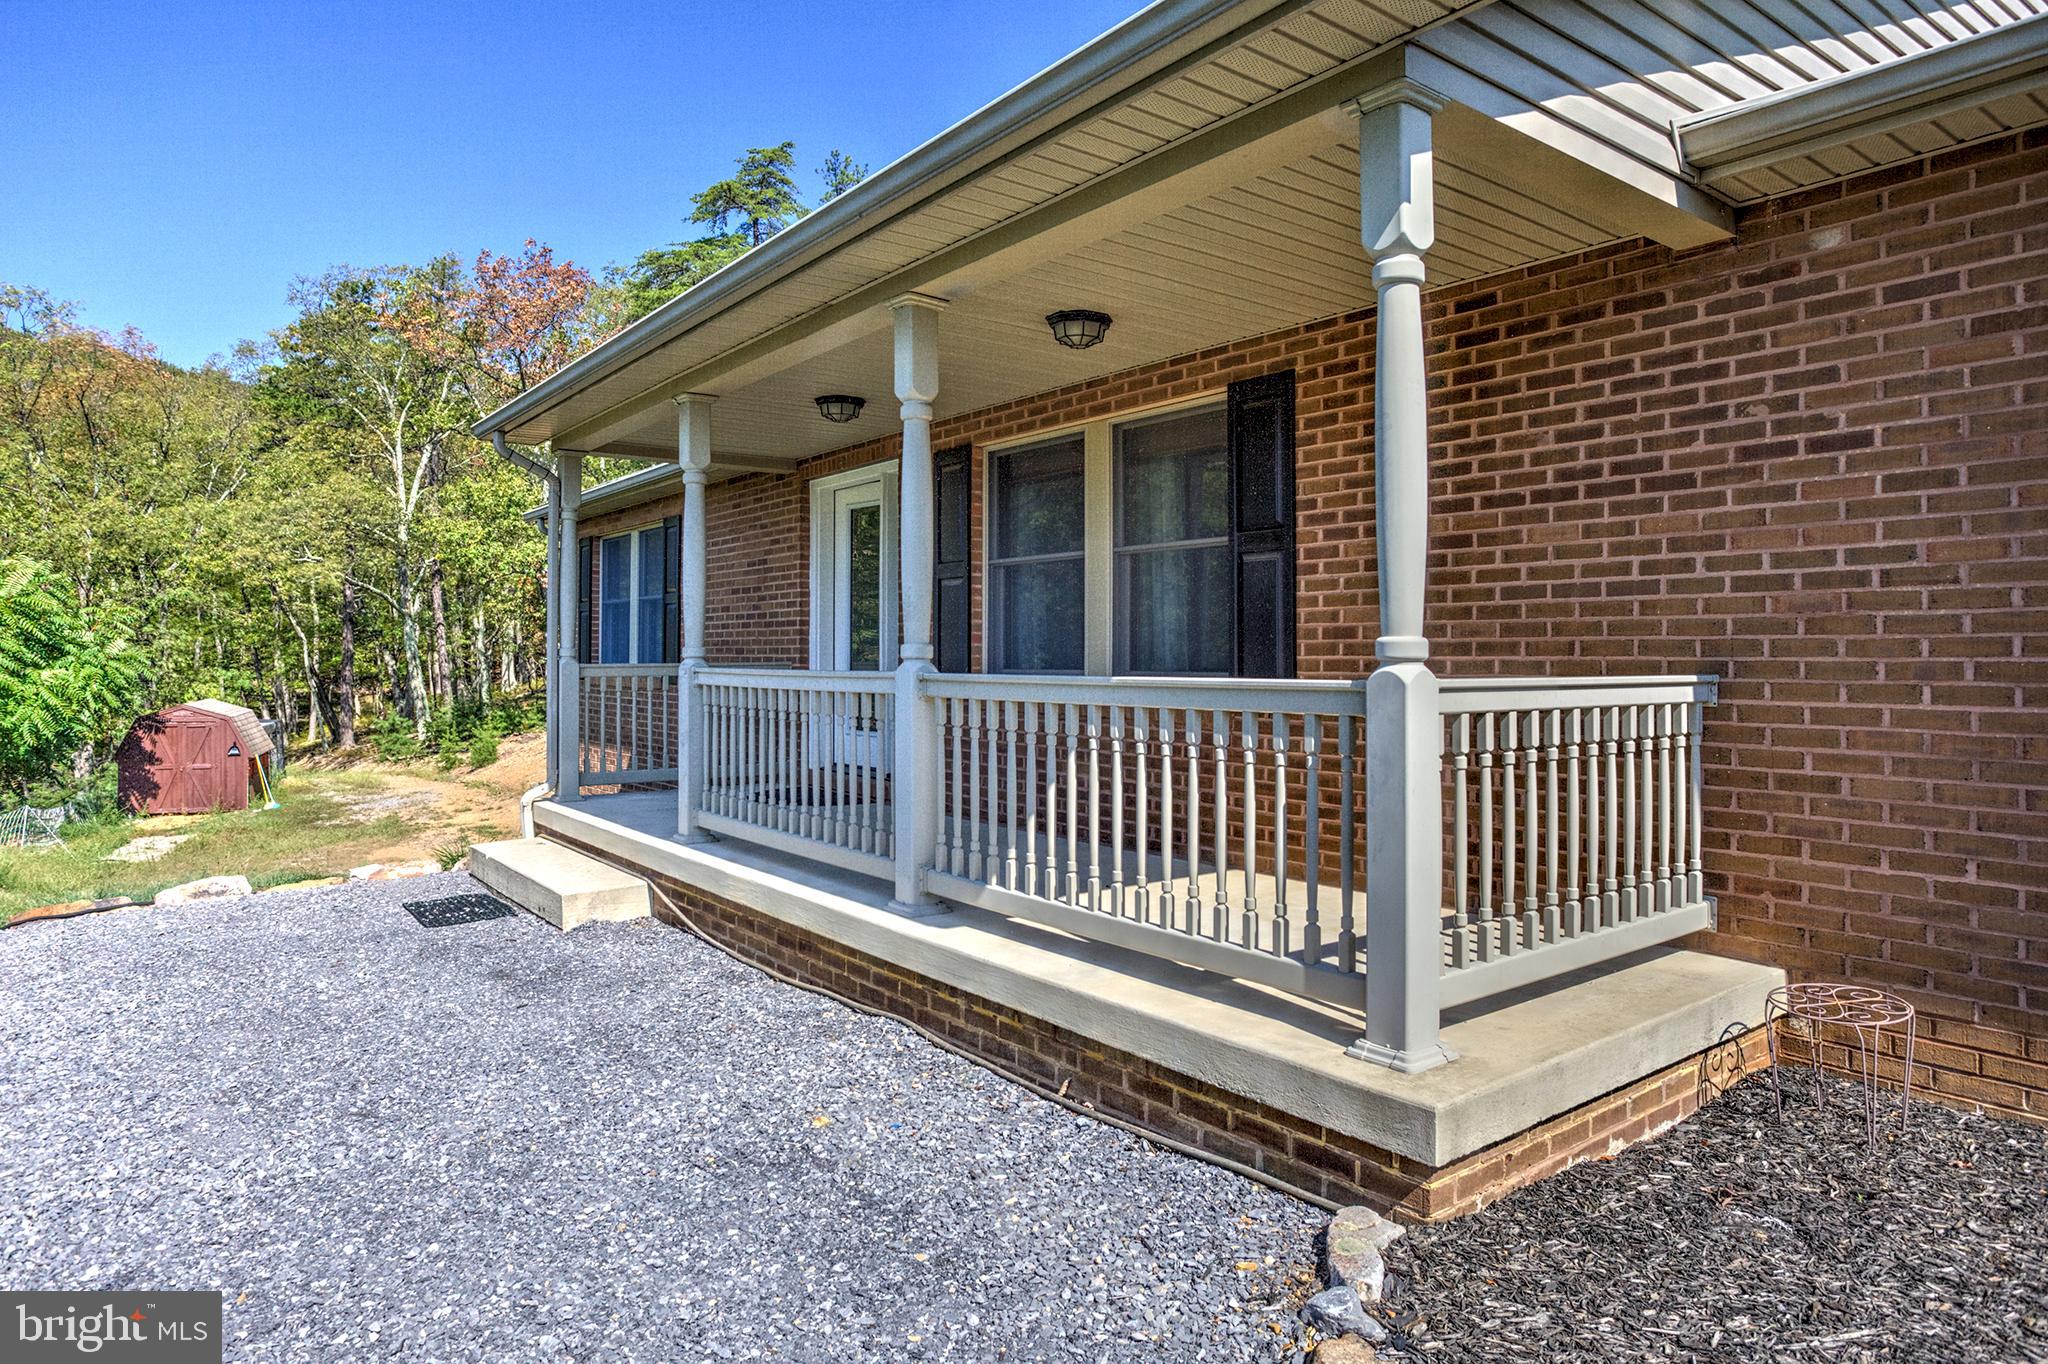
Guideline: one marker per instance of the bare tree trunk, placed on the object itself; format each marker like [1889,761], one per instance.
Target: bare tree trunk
[443,663]
[345,673]
[413,697]
[480,663]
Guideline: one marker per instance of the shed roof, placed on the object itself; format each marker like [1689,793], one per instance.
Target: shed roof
[249,731]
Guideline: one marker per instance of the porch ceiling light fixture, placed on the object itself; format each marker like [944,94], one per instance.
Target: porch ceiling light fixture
[840,407]
[1077,328]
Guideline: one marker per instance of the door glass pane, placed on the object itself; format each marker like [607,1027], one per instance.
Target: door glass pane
[1038,500]
[1041,616]
[864,587]
[1173,479]
[1177,610]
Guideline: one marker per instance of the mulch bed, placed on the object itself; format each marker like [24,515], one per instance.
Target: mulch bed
[1742,1236]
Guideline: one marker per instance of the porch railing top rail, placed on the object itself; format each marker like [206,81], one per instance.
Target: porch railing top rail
[755,675]
[1310,696]
[626,670]
[1472,695]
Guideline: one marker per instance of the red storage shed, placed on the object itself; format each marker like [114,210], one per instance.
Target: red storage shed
[190,759]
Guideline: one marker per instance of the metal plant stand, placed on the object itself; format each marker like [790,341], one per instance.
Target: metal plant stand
[1867,1013]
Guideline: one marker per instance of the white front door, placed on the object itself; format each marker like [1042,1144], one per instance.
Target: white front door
[854,618]
[853,571]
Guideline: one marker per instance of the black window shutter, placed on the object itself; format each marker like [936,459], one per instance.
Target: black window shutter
[952,602]
[672,590]
[1261,421]
[586,599]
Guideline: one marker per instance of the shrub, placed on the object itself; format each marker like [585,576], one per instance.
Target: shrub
[483,749]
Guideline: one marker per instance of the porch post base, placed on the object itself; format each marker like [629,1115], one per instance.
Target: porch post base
[695,838]
[1403,1062]
[923,909]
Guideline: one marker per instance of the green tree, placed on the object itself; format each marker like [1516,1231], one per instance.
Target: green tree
[68,677]
[742,211]
[756,203]
[840,174]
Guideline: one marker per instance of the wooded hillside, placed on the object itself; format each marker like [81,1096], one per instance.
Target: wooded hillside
[304,526]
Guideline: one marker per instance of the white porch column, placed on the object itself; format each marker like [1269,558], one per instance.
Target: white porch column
[913,778]
[551,670]
[693,453]
[1404,801]
[568,720]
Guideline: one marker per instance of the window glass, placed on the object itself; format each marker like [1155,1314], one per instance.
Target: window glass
[1174,607]
[864,586]
[648,604]
[1041,609]
[1178,610]
[1038,499]
[615,600]
[1036,567]
[1173,479]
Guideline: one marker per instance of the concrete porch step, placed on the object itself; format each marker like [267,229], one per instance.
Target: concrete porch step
[561,885]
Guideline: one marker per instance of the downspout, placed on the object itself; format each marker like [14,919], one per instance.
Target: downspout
[546,786]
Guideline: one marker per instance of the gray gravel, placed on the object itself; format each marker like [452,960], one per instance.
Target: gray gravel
[497,1142]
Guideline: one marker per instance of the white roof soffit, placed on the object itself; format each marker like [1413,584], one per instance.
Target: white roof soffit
[1983,86]
[1160,37]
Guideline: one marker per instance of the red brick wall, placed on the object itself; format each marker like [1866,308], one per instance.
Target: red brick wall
[1813,461]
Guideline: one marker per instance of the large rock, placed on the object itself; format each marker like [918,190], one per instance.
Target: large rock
[1345,1350]
[1354,1242]
[211,888]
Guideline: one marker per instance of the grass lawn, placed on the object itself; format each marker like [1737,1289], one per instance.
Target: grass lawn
[329,820]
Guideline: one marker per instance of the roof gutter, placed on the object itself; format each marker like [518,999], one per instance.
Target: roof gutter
[526,462]
[1155,36]
[1756,133]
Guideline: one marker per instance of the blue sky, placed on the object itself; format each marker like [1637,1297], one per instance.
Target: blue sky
[176,164]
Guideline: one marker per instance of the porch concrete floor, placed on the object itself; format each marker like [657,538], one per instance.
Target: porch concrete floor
[496,1141]
[1523,1057]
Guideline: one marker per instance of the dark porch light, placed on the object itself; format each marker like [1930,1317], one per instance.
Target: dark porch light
[840,407]
[1077,328]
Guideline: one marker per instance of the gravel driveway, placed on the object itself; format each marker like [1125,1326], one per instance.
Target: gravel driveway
[493,1141]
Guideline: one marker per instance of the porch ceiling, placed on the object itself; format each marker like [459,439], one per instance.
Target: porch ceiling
[1273,248]
[1189,174]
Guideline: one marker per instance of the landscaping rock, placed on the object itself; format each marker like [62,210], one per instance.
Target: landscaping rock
[495,1141]
[312,883]
[1345,1350]
[1355,1240]
[210,888]
[1338,1312]
[147,848]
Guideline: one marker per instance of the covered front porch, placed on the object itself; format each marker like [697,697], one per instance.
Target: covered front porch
[1112,634]
[1253,1071]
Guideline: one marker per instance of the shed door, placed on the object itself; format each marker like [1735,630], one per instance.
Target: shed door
[187,767]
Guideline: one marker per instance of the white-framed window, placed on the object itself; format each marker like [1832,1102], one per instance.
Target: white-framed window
[632,614]
[1037,557]
[1109,547]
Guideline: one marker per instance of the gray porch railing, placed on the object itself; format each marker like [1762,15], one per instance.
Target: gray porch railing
[799,761]
[627,716]
[1213,823]
[1573,809]
[1217,823]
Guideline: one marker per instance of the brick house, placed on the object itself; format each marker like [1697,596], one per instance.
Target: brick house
[1355,589]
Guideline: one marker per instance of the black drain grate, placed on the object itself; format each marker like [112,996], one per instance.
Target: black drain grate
[457,909]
